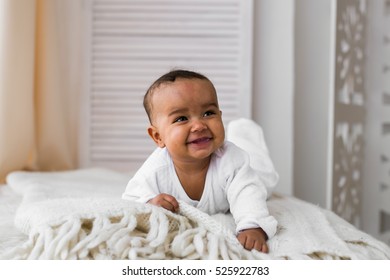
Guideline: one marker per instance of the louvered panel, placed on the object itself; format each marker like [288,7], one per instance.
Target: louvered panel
[155,65]
[133,42]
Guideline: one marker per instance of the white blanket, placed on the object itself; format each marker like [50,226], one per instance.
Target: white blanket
[79,215]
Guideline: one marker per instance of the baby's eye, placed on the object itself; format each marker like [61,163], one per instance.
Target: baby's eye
[180,119]
[208,113]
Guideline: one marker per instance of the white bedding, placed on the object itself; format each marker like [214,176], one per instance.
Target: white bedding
[79,215]
[10,236]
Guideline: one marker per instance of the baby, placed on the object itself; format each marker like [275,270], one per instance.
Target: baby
[195,164]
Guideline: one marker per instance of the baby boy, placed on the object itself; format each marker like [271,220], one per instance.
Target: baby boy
[194,163]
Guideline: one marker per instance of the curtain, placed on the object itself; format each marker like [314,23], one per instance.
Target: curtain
[40,69]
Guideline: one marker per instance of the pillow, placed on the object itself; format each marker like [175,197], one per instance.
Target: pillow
[248,135]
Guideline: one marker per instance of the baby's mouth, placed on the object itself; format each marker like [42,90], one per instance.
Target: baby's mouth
[200,140]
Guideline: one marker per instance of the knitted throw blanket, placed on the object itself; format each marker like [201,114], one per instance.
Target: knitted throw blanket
[79,215]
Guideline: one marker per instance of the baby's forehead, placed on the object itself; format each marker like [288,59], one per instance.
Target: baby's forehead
[182,87]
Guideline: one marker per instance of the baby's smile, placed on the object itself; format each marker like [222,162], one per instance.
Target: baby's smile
[201,140]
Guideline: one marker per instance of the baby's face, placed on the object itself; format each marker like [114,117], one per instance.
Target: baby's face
[187,120]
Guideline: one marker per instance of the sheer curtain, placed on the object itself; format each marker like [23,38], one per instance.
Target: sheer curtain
[40,69]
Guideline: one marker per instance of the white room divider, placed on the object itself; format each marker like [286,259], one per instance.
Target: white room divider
[131,43]
[329,104]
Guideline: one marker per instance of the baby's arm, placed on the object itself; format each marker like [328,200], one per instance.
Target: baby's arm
[246,194]
[166,201]
[253,238]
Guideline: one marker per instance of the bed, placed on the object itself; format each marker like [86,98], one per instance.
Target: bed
[79,214]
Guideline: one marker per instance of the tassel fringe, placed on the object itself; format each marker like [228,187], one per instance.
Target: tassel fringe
[149,234]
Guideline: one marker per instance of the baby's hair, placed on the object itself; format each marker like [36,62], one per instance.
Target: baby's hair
[169,77]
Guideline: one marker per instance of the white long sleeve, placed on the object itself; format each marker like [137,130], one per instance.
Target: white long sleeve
[231,184]
[246,194]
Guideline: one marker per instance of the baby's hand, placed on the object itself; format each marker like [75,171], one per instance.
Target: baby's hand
[166,201]
[253,238]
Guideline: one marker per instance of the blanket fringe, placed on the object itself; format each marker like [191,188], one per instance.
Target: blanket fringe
[148,233]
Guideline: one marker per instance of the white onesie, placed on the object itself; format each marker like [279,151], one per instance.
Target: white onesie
[231,184]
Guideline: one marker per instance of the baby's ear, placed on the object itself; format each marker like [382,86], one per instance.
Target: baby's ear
[155,135]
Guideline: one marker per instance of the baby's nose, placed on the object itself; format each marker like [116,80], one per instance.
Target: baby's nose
[198,125]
